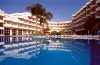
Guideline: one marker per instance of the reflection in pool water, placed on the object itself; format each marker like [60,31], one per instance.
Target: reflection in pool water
[54,51]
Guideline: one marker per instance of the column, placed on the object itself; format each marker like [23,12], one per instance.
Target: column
[10,34]
[22,35]
[16,34]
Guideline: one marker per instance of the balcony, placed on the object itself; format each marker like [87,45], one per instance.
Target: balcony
[98,16]
[33,28]
[14,26]
[33,20]
[38,26]
[1,21]
[1,14]
[8,19]
[38,29]
[21,22]
[1,27]
[98,9]
[33,24]
[13,20]
[26,28]
[7,25]
[34,16]
[80,29]
[88,9]
[94,12]
[93,5]
[38,22]
[26,18]
[21,27]
[88,15]
[98,1]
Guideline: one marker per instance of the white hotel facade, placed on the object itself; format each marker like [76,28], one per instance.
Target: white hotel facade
[18,24]
[91,9]
[59,26]
[23,24]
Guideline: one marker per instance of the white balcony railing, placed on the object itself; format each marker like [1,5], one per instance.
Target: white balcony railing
[93,5]
[1,21]
[34,16]
[98,1]
[21,22]
[93,12]
[1,27]
[38,22]
[21,27]
[8,19]
[7,25]
[1,14]
[13,20]
[80,29]
[98,16]
[15,26]
[88,9]
[98,9]
[88,15]
[33,20]
[33,24]
[33,28]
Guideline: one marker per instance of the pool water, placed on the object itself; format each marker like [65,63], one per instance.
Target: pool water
[53,51]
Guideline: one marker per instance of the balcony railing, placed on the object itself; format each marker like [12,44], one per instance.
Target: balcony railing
[7,25]
[8,19]
[93,5]
[1,21]
[98,1]
[98,16]
[21,22]
[13,20]
[93,12]
[98,9]
[1,27]
[33,20]
[21,27]
[1,14]
[80,29]
[15,26]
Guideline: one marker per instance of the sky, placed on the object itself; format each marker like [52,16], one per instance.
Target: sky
[62,10]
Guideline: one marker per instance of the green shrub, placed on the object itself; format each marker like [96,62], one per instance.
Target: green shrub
[38,33]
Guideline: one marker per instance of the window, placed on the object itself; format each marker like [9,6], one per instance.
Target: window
[19,32]
[13,31]
[7,31]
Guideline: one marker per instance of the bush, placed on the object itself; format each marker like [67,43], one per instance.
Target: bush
[38,33]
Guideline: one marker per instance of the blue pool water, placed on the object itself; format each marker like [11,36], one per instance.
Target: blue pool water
[54,51]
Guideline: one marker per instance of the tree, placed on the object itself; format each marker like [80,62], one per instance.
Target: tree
[61,32]
[54,32]
[46,29]
[40,12]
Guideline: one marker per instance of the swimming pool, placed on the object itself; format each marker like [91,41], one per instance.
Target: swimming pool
[53,51]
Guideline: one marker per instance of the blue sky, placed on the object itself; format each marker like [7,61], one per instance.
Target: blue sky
[62,10]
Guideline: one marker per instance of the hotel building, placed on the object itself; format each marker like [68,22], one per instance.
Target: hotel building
[59,26]
[91,9]
[17,24]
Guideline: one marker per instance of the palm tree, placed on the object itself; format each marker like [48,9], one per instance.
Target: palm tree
[41,13]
